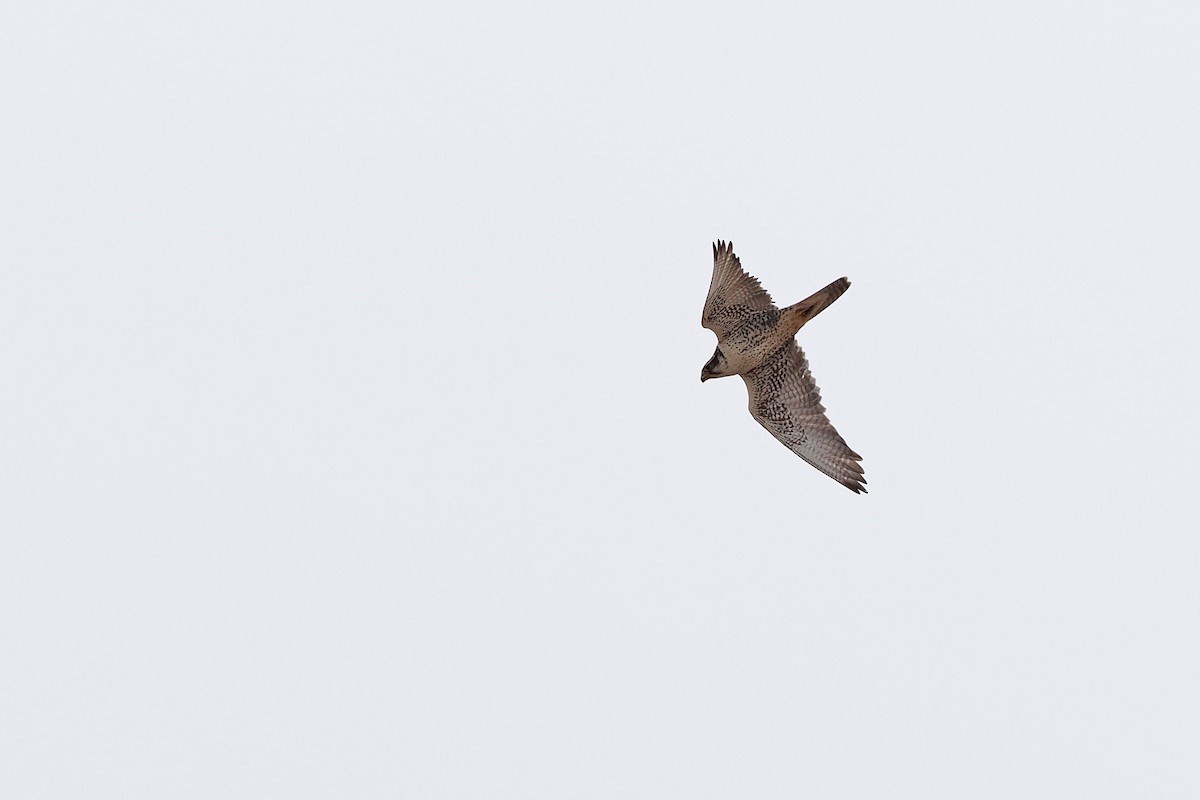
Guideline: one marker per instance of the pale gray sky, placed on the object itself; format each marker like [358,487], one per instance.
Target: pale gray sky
[353,442]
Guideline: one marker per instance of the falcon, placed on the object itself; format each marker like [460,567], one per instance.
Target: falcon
[757,341]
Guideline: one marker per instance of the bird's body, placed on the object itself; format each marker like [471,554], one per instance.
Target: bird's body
[756,340]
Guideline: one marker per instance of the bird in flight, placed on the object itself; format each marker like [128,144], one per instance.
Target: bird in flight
[758,341]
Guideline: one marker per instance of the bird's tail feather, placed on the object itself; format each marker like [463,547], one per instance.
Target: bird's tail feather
[797,316]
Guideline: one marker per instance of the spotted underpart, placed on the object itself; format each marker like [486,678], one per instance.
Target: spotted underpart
[757,341]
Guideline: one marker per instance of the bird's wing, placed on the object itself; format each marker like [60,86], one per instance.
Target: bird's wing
[733,295]
[786,401]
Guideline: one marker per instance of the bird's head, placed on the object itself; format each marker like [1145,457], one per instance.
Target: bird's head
[716,367]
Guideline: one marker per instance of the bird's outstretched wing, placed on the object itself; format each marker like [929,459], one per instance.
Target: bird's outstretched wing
[786,401]
[733,295]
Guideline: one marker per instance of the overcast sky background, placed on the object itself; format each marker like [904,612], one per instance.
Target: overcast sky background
[353,443]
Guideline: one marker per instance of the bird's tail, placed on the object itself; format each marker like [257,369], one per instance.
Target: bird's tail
[797,316]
